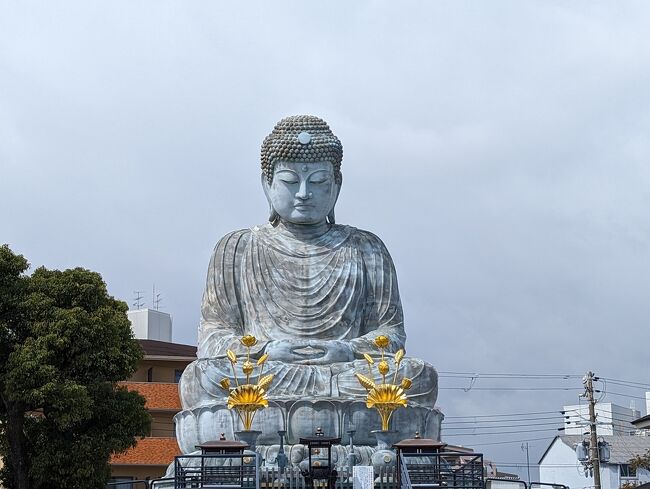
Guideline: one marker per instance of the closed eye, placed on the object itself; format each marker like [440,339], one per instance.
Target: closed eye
[288,180]
[287,176]
[321,176]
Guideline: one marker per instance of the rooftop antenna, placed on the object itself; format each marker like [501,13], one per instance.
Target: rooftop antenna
[138,303]
[155,298]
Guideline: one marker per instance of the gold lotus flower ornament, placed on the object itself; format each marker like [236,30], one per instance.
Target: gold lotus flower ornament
[382,342]
[246,399]
[385,397]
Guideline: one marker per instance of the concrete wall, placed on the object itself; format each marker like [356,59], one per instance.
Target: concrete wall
[162,425]
[561,466]
[612,419]
[162,371]
[148,324]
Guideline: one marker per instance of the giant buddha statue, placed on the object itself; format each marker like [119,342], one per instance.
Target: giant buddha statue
[315,294]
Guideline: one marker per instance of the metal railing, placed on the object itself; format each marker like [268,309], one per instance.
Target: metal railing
[234,470]
[443,469]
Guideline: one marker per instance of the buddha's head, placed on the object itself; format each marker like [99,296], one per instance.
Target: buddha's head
[301,170]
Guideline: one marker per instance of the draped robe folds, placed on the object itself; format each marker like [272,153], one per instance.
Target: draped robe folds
[339,286]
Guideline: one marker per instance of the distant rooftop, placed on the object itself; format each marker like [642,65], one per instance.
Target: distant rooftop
[642,423]
[622,447]
[165,349]
[158,396]
[149,451]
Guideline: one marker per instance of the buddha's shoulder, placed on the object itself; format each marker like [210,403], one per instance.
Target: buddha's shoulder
[366,240]
[232,240]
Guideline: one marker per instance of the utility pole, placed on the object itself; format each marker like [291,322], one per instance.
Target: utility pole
[524,446]
[594,455]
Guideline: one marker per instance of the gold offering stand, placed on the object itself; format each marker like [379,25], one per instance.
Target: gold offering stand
[247,398]
[385,397]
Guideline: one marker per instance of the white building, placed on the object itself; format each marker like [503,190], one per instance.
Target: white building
[644,422]
[612,419]
[559,463]
[148,324]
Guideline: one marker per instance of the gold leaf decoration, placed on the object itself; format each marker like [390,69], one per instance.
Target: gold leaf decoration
[262,359]
[247,397]
[231,356]
[386,395]
[225,384]
[365,381]
[265,381]
[399,355]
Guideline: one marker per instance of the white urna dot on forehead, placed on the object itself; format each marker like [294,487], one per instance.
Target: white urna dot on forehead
[304,137]
[304,168]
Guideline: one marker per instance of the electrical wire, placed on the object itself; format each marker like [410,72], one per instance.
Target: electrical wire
[511,388]
[500,415]
[509,375]
[630,383]
[624,395]
[512,441]
[502,426]
[500,432]
[502,420]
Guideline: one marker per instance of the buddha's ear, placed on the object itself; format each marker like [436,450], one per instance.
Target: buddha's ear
[274,217]
[330,217]
[267,187]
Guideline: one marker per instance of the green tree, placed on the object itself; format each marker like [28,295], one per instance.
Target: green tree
[64,345]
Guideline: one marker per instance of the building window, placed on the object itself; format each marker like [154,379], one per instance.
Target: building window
[627,471]
[177,375]
[150,374]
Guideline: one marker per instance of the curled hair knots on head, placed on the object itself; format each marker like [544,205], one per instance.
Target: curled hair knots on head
[301,138]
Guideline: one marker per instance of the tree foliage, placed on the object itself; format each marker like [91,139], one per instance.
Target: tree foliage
[64,345]
[641,461]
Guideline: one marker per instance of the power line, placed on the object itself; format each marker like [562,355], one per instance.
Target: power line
[511,441]
[508,414]
[503,426]
[630,382]
[502,420]
[623,395]
[468,389]
[500,432]
[510,375]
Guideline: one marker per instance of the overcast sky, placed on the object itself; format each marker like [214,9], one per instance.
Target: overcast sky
[500,149]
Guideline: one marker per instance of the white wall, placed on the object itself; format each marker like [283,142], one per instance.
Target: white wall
[612,419]
[561,466]
[148,324]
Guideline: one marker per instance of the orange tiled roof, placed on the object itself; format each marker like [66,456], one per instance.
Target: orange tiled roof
[149,451]
[158,395]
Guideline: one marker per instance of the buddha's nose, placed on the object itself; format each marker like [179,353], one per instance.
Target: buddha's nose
[303,192]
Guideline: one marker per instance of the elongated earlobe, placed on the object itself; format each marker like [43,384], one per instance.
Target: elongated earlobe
[274,217]
[330,217]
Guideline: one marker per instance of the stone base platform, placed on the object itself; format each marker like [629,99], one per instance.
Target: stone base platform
[301,417]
